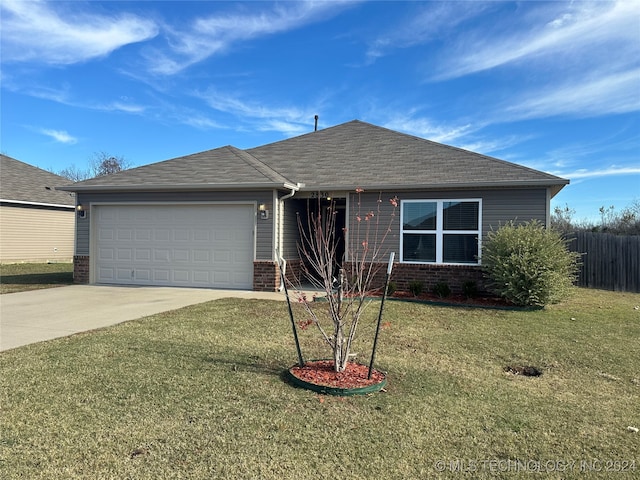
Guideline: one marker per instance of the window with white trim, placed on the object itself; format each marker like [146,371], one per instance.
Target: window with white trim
[441,231]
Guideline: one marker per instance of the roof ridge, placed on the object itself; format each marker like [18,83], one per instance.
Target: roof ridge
[259,165]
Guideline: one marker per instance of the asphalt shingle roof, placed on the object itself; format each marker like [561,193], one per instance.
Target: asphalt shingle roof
[21,182]
[341,157]
[221,167]
[360,154]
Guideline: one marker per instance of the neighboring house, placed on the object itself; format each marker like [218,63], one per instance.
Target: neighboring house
[217,218]
[37,222]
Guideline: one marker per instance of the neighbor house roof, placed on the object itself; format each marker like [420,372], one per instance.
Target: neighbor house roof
[353,154]
[22,183]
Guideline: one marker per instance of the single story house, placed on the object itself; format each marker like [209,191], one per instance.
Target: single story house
[37,222]
[219,218]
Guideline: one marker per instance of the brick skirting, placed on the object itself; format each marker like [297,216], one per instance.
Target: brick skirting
[266,276]
[81,269]
[453,275]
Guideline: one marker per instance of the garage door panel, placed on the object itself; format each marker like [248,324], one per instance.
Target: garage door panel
[181,255]
[201,236]
[161,275]
[143,234]
[108,274]
[106,254]
[186,245]
[142,274]
[181,276]
[124,254]
[124,234]
[160,255]
[201,277]
[124,274]
[142,255]
[181,235]
[106,234]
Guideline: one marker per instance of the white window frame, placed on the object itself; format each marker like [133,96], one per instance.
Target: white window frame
[439,232]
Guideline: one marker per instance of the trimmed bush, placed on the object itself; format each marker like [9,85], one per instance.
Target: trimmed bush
[470,289]
[528,264]
[416,287]
[391,288]
[442,290]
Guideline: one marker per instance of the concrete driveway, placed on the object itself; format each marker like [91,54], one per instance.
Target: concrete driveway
[38,315]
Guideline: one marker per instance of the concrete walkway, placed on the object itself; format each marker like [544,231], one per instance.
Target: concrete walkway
[39,315]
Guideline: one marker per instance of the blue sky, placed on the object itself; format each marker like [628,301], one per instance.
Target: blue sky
[550,85]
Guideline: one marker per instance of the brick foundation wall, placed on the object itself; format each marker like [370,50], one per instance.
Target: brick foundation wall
[81,269]
[430,275]
[266,276]
[404,273]
[293,272]
[453,275]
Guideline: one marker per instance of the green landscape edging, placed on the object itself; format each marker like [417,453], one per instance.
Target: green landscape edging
[439,303]
[338,392]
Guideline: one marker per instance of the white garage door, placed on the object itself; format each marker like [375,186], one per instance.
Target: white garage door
[175,245]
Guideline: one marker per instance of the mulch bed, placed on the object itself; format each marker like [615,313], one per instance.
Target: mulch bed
[320,372]
[478,301]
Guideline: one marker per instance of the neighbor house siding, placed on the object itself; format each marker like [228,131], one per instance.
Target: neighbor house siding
[498,207]
[264,228]
[36,234]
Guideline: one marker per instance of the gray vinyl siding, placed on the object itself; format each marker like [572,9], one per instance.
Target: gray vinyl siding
[291,232]
[264,228]
[498,207]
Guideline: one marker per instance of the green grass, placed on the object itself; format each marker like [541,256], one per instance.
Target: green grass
[198,393]
[20,277]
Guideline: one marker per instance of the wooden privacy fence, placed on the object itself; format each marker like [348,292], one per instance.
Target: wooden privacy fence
[610,262]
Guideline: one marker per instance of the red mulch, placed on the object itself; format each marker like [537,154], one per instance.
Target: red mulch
[461,300]
[320,372]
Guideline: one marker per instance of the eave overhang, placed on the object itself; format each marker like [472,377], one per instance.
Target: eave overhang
[38,204]
[179,187]
[555,185]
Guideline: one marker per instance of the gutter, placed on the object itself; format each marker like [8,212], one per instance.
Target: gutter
[437,186]
[177,187]
[281,261]
[38,204]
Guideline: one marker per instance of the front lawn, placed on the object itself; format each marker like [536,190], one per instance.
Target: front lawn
[20,277]
[198,393]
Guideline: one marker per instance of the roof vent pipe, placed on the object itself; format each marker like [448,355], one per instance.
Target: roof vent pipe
[316,127]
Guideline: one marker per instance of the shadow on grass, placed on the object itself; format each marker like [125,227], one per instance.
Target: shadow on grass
[258,365]
[38,278]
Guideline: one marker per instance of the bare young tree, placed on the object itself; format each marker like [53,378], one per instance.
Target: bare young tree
[347,285]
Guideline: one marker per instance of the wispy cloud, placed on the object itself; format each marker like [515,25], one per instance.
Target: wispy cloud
[598,173]
[424,25]
[60,136]
[554,33]
[53,33]
[211,35]
[427,128]
[64,96]
[586,55]
[262,117]
[608,94]
[490,145]
[120,106]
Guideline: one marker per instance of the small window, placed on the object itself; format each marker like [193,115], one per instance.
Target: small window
[441,231]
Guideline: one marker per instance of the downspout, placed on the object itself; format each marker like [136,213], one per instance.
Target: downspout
[281,261]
